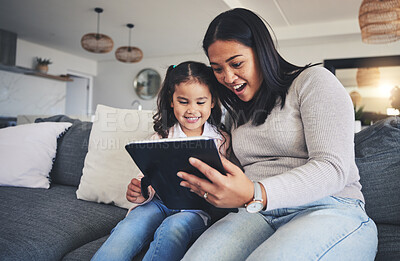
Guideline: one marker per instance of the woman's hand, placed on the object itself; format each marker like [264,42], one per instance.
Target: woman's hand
[230,191]
[134,192]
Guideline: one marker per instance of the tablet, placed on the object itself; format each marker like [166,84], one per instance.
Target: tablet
[160,161]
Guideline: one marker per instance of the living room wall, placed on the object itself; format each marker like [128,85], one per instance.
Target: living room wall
[331,48]
[114,83]
[62,61]
[113,80]
[25,94]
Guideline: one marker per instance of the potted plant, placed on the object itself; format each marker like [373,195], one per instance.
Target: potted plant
[42,65]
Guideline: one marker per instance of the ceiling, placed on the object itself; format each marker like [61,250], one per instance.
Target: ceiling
[170,27]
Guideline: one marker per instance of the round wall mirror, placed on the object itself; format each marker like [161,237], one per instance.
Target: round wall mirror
[147,83]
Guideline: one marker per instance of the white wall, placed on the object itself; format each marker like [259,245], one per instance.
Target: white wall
[113,81]
[352,47]
[62,61]
[114,84]
[23,94]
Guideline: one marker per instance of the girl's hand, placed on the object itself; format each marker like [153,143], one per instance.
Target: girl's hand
[230,191]
[134,192]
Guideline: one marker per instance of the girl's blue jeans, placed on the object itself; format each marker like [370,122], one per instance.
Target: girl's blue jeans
[328,229]
[170,232]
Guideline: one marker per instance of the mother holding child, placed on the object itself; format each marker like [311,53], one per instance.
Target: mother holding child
[298,191]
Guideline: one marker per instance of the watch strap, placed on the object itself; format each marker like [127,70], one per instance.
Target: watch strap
[257,192]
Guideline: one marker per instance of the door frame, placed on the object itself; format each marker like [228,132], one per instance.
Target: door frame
[90,110]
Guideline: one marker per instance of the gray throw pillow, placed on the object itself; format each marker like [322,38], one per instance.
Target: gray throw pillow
[377,151]
[72,148]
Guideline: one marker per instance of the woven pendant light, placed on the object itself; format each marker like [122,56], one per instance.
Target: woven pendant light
[129,54]
[379,21]
[368,77]
[97,42]
[356,98]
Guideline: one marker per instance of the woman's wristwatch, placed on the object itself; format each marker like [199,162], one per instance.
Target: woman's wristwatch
[256,205]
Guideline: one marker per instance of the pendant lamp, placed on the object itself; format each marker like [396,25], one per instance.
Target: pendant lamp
[356,99]
[379,21]
[368,77]
[129,54]
[97,42]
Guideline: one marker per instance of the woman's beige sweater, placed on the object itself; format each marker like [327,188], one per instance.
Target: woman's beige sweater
[305,151]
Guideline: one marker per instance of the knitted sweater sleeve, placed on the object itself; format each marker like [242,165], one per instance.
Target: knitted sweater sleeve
[327,116]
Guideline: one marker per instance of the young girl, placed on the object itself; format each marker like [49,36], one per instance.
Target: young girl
[187,106]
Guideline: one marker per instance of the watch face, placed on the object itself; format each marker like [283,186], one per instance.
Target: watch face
[254,207]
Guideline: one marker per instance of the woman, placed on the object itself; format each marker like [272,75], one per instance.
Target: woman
[299,196]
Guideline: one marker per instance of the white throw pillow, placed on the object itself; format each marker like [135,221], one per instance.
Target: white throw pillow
[27,153]
[108,168]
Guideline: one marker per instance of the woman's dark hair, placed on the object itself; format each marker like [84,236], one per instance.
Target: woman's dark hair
[249,29]
[188,71]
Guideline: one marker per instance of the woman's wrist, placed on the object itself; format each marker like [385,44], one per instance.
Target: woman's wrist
[249,198]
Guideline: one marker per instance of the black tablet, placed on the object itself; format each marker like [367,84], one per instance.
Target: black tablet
[160,161]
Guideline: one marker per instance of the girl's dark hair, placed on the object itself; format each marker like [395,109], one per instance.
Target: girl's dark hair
[249,29]
[164,119]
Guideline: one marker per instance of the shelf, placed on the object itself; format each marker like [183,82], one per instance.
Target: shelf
[64,78]
[27,71]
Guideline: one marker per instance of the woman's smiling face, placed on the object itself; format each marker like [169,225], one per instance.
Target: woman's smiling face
[235,65]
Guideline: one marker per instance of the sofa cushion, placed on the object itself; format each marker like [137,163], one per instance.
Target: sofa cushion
[86,252]
[377,150]
[27,153]
[388,242]
[72,148]
[46,224]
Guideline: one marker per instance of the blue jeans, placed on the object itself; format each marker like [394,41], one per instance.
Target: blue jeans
[170,232]
[328,229]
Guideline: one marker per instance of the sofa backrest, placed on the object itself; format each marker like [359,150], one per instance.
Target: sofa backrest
[377,150]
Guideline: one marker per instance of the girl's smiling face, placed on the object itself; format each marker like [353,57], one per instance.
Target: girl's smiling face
[235,65]
[192,103]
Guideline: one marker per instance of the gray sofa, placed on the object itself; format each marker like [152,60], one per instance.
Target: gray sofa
[51,224]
